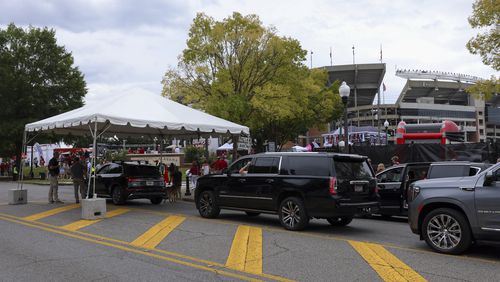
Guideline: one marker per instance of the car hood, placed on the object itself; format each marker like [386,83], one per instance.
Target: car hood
[446,182]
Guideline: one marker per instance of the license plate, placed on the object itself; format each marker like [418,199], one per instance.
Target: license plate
[150,183]
[358,188]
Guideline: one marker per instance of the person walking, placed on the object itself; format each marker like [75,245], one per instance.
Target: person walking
[53,175]
[78,172]
[177,182]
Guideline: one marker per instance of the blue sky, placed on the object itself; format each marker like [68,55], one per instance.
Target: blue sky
[125,45]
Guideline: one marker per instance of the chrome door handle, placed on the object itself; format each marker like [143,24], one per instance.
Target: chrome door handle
[469,189]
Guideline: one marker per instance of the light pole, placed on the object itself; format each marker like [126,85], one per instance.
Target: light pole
[386,125]
[344,91]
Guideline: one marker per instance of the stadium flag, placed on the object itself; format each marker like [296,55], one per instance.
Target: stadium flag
[381,53]
[383,87]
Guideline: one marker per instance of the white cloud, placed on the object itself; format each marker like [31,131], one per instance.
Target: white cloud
[125,45]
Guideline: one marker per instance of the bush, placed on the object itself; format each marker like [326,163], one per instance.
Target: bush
[116,155]
[192,153]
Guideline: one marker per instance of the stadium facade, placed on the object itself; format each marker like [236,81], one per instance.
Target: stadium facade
[427,97]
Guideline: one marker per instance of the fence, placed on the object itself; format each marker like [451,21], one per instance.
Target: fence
[474,152]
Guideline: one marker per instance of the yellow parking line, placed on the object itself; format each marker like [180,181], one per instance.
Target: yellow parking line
[85,222]
[388,267]
[208,268]
[153,237]
[246,250]
[51,212]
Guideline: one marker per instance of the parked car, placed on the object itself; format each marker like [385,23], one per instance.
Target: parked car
[452,213]
[296,186]
[127,180]
[393,182]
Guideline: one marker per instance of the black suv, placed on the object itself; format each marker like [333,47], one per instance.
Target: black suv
[127,180]
[394,182]
[296,186]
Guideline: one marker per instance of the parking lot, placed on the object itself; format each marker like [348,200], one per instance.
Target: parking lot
[140,241]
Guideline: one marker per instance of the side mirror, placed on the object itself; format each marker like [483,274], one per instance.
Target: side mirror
[488,178]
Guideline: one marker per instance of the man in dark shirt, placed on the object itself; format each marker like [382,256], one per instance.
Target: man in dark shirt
[78,172]
[53,175]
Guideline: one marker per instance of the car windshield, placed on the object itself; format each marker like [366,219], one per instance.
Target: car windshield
[353,169]
[143,170]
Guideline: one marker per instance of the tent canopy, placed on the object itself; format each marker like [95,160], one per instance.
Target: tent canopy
[226,146]
[131,114]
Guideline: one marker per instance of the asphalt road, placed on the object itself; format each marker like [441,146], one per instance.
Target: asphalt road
[170,242]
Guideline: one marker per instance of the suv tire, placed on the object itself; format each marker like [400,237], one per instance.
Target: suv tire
[156,201]
[292,213]
[207,206]
[340,221]
[447,231]
[117,196]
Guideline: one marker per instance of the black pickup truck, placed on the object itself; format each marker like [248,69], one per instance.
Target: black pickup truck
[393,182]
[296,186]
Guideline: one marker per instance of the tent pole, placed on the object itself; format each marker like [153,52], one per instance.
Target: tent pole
[94,156]
[23,151]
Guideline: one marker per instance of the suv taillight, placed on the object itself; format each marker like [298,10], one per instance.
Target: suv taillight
[333,186]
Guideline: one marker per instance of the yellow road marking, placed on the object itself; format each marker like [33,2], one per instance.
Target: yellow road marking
[388,267]
[153,237]
[51,212]
[85,222]
[50,227]
[246,250]
[173,260]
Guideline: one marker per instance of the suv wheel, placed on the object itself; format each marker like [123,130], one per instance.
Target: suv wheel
[156,201]
[292,213]
[447,231]
[117,196]
[207,207]
[340,221]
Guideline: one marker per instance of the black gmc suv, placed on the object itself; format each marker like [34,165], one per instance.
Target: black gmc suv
[296,186]
[127,180]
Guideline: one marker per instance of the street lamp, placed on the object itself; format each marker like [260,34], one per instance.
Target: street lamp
[386,125]
[344,91]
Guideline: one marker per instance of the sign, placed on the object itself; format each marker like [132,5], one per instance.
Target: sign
[271,147]
[244,143]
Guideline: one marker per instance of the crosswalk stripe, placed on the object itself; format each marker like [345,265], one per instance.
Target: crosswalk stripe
[246,250]
[388,266]
[85,222]
[51,212]
[153,237]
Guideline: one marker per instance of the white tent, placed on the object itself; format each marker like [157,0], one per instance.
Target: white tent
[131,114]
[144,114]
[225,147]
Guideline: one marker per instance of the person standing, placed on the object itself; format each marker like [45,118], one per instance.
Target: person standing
[195,173]
[171,170]
[205,168]
[53,175]
[78,173]
[177,182]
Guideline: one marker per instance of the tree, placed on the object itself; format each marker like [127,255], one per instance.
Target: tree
[239,70]
[486,15]
[37,80]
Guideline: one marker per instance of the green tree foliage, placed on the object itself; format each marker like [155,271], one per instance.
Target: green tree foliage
[486,16]
[37,80]
[241,71]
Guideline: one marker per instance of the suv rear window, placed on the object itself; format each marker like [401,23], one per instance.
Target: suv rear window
[142,170]
[442,171]
[353,169]
[313,166]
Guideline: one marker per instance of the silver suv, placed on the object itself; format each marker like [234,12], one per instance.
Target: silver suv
[452,213]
